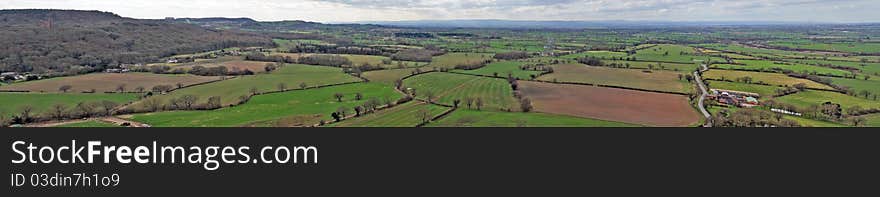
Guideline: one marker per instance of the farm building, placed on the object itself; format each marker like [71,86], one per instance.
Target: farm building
[735,98]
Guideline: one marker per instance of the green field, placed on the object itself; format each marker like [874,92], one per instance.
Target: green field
[387,76]
[406,115]
[293,108]
[12,103]
[764,65]
[764,90]
[599,54]
[834,46]
[653,80]
[447,87]
[89,124]
[867,69]
[762,77]
[473,118]
[811,97]
[804,122]
[672,53]
[872,120]
[858,85]
[292,75]
[502,69]
[450,60]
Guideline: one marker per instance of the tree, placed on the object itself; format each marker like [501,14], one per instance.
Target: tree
[865,93]
[525,104]
[65,88]
[188,101]
[108,106]
[254,91]
[689,77]
[338,97]
[680,77]
[269,67]
[867,77]
[282,86]
[139,89]
[358,96]
[303,85]
[214,102]
[341,111]
[456,102]
[479,103]
[336,116]
[469,101]
[153,104]
[58,111]
[162,88]
[358,110]
[800,86]
[429,95]
[425,115]
[25,113]
[179,85]
[120,88]
[858,120]
[85,109]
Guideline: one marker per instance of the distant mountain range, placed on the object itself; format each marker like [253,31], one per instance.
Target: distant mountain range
[491,23]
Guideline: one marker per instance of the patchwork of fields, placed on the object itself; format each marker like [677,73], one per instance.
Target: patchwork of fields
[496,94]
[108,82]
[653,80]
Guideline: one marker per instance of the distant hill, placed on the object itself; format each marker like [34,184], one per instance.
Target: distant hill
[515,24]
[72,41]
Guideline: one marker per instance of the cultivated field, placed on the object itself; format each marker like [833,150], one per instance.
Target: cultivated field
[288,109]
[108,82]
[474,118]
[406,115]
[637,107]
[496,94]
[653,80]
[387,76]
[254,66]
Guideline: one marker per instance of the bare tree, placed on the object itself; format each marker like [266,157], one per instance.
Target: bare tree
[25,113]
[425,115]
[179,85]
[86,109]
[338,96]
[358,96]
[120,88]
[65,88]
[429,95]
[139,89]
[153,104]
[58,111]
[282,86]
[469,101]
[525,104]
[188,101]
[108,106]
[479,103]
[858,120]
[214,102]
[254,91]
[303,85]
[341,111]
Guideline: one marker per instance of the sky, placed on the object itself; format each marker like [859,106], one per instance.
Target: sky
[842,11]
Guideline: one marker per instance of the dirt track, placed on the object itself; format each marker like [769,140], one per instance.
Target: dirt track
[645,108]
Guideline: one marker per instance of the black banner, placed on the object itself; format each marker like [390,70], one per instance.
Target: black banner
[453,161]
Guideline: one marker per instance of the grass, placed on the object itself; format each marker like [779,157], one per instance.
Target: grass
[764,65]
[811,97]
[473,118]
[872,120]
[12,103]
[758,77]
[600,54]
[868,68]
[387,76]
[682,68]
[447,87]
[405,115]
[107,82]
[293,108]
[858,85]
[764,90]
[503,69]
[656,80]
[672,53]
[89,124]
[450,60]
[291,75]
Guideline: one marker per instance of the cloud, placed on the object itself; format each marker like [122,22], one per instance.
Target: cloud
[365,10]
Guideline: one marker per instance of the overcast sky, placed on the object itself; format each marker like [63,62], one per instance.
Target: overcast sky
[394,10]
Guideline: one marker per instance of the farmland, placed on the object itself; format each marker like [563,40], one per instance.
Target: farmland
[89,124]
[108,82]
[447,87]
[644,108]
[293,108]
[291,75]
[303,74]
[474,118]
[653,80]
[42,103]
[406,115]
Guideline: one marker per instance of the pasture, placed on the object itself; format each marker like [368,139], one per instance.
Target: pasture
[762,77]
[654,80]
[807,98]
[764,90]
[858,85]
[474,118]
[496,94]
[42,103]
[502,69]
[291,75]
[764,65]
[89,124]
[254,66]
[387,76]
[672,53]
[287,109]
[450,60]
[613,104]
[108,82]
[872,120]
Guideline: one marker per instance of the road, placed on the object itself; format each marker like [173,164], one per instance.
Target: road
[703,68]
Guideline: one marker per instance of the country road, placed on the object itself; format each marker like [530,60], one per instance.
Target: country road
[703,68]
